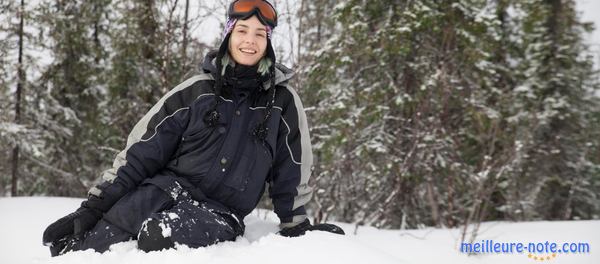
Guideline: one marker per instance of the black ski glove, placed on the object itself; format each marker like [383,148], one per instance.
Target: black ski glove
[300,229]
[73,224]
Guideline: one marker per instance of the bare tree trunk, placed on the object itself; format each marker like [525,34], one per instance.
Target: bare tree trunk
[96,34]
[292,52]
[21,81]
[167,51]
[185,31]
[301,14]
[148,26]
[432,203]
[568,210]
[15,171]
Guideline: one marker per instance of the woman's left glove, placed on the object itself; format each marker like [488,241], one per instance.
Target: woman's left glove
[300,229]
[75,223]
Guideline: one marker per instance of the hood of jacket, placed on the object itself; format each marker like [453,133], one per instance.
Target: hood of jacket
[282,73]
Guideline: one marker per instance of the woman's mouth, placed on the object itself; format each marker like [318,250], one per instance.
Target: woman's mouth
[248,51]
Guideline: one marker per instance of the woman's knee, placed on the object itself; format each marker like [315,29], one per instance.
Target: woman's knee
[154,236]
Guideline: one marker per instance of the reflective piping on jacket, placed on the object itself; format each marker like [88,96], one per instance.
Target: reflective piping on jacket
[306,158]
[226,100]
[160,123]
[262,107]
[141,127]
[287,143]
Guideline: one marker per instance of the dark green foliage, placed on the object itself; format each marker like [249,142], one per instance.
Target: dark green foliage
[451,112]
[103,64]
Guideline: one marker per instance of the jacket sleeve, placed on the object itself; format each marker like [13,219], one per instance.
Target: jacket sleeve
[289,189]
[150,146]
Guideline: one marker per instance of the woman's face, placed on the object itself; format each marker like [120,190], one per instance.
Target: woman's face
[248,41]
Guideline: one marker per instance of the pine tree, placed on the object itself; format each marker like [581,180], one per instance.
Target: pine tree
[5,95]
[552,111]
[18,135]
[152,54]
[75,94]
[412,95]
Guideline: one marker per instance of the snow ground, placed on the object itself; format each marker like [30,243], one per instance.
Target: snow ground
[22,221]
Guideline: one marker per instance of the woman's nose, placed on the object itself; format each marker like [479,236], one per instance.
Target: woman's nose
[250,40]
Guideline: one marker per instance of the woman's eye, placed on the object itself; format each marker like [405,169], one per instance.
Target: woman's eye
[260,35]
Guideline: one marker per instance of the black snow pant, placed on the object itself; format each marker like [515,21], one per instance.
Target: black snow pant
[159,217]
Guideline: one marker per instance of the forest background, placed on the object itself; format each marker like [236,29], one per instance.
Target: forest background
[422,113]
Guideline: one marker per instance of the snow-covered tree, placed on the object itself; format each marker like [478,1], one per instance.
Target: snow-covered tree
[551,114]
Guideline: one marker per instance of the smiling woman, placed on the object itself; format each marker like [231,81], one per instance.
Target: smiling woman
[198,162]
[248,41]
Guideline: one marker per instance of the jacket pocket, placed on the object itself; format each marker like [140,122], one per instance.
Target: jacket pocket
[198,141]
[188,138]
[205,131]
[239,176]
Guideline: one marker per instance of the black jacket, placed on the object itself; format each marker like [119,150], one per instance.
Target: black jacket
[225,163]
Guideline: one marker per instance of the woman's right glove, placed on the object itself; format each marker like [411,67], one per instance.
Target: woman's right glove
[86,217]
[73,224]
[300,229]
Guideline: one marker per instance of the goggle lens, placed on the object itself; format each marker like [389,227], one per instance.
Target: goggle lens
[244,7]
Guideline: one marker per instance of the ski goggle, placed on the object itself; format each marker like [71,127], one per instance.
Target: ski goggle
[242,9]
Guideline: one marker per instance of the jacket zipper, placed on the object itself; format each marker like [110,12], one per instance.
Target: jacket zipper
[179,150]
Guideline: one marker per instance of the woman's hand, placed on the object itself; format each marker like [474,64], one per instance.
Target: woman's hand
[301,229]
[75,223]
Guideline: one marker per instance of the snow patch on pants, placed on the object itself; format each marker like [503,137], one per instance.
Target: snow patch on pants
[166,229]
[175,190]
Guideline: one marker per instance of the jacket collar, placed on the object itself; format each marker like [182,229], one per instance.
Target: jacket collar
[282,73]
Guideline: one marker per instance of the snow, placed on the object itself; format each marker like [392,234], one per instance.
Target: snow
[166,229]
[173,216]
[25,218]
[589,13]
